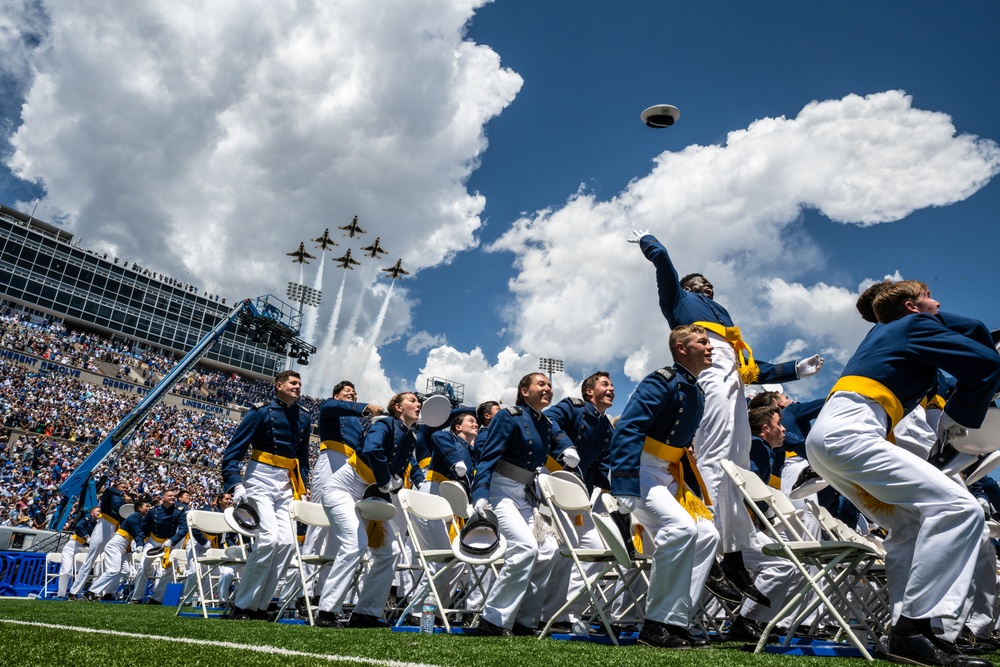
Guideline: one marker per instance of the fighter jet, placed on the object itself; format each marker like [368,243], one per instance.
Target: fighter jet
[325,242]
[300,255]
[346,261]
[396,270]
[353,229]
[374,250]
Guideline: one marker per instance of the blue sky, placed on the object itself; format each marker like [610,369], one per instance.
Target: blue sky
[449,127]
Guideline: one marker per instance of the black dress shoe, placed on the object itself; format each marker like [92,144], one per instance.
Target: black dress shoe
[737,574]
[695,642]
[365,621]
[70,597]
[89,596]
[327,619]
[237,614]
[929,651]
[970,644]
[487,629]
[662,636]
[107,597]
[719,586]
[153,602]
[747,630]
[521,630]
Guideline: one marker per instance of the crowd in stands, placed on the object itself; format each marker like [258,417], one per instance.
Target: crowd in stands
[51,422]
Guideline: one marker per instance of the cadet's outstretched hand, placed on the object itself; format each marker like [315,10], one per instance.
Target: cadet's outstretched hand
[637,234]
[809,366]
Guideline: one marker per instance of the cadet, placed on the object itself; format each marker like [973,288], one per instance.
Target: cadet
[112,499]
[518,442]
[936,526]
[277,436]
[131,530]
[166,525]
[386,451]
[81,533]
[724,432]
[584,422]
[649,463]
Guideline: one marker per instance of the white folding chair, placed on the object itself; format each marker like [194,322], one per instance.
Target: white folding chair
[836,563]
[53,563]
[310,514]
[435,513]
[564,499]
[481,574]
[213,523]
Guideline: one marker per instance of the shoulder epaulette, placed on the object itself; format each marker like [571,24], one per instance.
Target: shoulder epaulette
[258,406]
[576,401]
[514,410]
[668,372]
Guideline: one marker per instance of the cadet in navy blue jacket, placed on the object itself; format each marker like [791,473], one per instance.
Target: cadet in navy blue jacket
[936,525]
[583,420]
[649,463]
[519,441]
[112,499]
[386,451]
[724,432]
[276,435]
[131,530]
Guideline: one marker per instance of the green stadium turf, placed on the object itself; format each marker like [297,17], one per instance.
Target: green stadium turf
[297,645]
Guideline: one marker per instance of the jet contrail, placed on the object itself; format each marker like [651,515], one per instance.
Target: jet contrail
[376,330]
[327,351]
[353,323]
[311,315]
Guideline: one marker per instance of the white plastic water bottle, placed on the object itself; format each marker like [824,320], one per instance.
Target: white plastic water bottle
[427,615]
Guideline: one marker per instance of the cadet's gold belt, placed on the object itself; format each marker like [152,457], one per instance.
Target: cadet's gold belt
[748,368]
[291,465]
[876,391]
[679,458]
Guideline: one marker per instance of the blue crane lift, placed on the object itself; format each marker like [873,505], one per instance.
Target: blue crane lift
[266,319]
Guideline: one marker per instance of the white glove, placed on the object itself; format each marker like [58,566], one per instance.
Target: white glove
[395,483]
[480,507]
[387,488]
[948,429]
[167,544]
[626,503]
[571,457]
[460,468]
[810,366]
[637,234]
[239,494]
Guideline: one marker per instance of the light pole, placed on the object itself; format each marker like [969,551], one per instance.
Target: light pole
[550,366]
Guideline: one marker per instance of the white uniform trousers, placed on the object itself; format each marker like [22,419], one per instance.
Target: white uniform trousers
[683,548]
[724,433]
[519,591]
[149,568]
[115,552]
[269,490]
[348,542]
[68,553]
[914,434]
[327,462]
[102,533]
[978,611]
[935,526]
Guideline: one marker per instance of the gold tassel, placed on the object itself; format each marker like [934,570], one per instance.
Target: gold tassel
[376,534]
[577,519]
[873,505]
[748,373]
[455,528]
[165,559]
[692,505]
[637,532]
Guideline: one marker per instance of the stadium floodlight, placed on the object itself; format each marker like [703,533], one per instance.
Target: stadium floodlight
[550,366]
[304,294]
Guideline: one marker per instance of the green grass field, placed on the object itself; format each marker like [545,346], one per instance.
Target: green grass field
[187,642]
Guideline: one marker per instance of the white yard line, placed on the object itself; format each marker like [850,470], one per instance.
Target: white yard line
[273,650]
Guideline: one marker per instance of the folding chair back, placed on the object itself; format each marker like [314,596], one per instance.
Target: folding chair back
[425,506]
[566,495]
[212,523]
[311,514]
[455,494]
